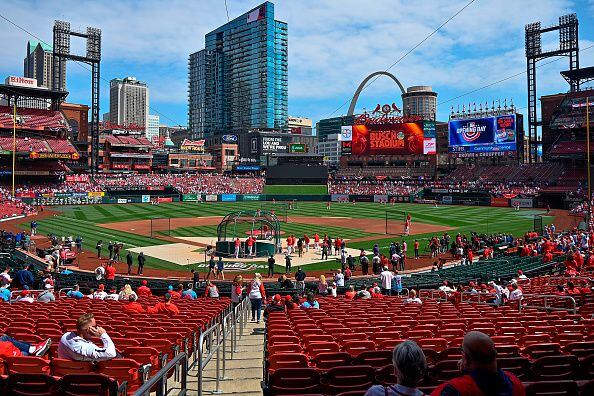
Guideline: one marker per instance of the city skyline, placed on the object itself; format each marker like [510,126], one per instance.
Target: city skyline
[332,46]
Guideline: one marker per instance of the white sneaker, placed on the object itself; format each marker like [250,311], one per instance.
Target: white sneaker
[42,348]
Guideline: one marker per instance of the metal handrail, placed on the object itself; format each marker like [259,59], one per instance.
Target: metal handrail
[547,298]
[492,296]
[160,379]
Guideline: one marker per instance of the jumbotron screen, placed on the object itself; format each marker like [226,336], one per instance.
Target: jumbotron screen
[480,135]
[391,139]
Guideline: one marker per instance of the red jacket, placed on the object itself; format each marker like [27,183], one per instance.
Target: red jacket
[144,291]
[110,273]
[133,307]
[161,307]
[8,350]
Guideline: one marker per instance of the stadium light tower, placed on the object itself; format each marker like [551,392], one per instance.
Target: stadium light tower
[568,46]
[62,53]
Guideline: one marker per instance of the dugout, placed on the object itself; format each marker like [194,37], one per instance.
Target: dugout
[262,224]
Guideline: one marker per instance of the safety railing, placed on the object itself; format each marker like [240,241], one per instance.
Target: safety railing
[158,382]
[433,294]
[212,343]
[479,298]
[549,302]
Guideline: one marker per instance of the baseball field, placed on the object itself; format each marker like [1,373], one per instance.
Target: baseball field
[173,236]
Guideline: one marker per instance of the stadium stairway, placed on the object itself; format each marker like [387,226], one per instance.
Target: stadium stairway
[243,373]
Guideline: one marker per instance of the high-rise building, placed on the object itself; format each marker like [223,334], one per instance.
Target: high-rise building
[332,126]
[239,80]
[38,64]
[128,101]
[152,129]
[300,125]
[420,100]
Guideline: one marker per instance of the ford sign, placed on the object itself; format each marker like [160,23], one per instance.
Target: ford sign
[229,138]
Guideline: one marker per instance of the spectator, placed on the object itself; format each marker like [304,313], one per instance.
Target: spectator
[47,295]
[11,347]
[77,345]
[99,246]
[141,260]
[113,294]
[363,294]
[516,293]
[100,293]
[397,283]
[195,277]
[174,293]
[237,290]
[5,293]
[290,301]
[300,278]
[322,286]
[339,278]
[284,282]
[25,296]
[257,294]
[483,377]
[110,273]
[211,267]
[25,278]
[410,366]
[132,306]
[350,293]
[5,278]
[126,293]
[386,277]
[189,293]
[287,264]
[412,298]
[164,307]
[143,290]
[276,305]
[271,262]
[75,293]
[310,302]
[571,289]
[211,290]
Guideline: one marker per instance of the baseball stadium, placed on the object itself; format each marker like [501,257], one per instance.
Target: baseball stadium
[390,254]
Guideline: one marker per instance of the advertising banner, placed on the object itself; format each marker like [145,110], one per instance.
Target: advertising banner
[479,135]
[339,198]
[275,144]
[77,178]
[26,195]
[346,133]
[388,139]
[380,198]
[96,194]
[247,167]
[500,202]
[189,198]
[251,197]
[211,198]
[522,202]
[193,145]
[228,197]
[297,148]
[164,199]
[146,198]
[122,200]
[446,199]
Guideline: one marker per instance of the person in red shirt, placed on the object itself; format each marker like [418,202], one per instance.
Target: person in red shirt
[548,257]
[250,245]
[110,273]
[290,302]
[174,294]
[587,289]
[337,243]
[316,241]
[351,293]
[470,256]
[237,247]
[347,273]
[416,247]
[306,242]
[132,306]
[165,307]
[143,290]
[571,289]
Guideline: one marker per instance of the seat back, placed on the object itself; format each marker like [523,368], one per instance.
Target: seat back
[88,385]
[550,368]
[552,388]
[27,384]
[61,367]
[294,381]
[349,378]
[27,364]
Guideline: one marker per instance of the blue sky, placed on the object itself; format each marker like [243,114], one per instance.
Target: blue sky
[333,45]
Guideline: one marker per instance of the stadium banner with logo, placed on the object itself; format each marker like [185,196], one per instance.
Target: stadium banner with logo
[361,198]
[122,200]
[189,197]
[211,198]
[164,199]
[390,139]
[76,178]
[247,168]
[94,194]
[146,198]
[252,197]
[446,199]
[192,145]
[228,197]
[380,198]
[522,202]
[339,198]
[480,135]
[501,202]
[26,195]
[400,198]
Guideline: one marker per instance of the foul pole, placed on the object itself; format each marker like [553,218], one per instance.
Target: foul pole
[588,159]
[14,145]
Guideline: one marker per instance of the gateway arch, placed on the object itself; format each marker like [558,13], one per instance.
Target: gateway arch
[362,85]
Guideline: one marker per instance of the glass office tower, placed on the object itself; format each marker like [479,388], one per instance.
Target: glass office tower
[239,81]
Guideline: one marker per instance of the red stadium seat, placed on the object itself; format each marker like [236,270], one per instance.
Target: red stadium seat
[328,360]
[551,368]
[287,360]
[354,348]
[61,367]
[287,381]
[552,388]
[88,385]
[348,379]
[320,347]
[283,348]
[375,359]
[31,384]
[27,365]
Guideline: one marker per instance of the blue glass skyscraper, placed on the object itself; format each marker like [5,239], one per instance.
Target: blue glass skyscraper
[239,80]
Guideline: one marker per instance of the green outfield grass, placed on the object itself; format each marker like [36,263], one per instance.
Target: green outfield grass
[296,189]
[83,220]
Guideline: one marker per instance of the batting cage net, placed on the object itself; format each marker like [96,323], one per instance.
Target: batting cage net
[160,226]
[395,222]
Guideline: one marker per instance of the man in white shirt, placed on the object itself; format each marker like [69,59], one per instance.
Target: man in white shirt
[412,298]
[100,293]
[77,345]
[25,296]
[339,278]
[516,293]
[386,278]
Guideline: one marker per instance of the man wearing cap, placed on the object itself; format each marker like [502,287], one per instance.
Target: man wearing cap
[25,296]
[100,293]
[276,305]
[47,295]
[130,262]
[165,307]
[144,290]
[481,375]
[113,294]
[75,293]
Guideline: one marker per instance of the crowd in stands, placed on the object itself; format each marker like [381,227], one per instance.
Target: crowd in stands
[371,187]
[11,207]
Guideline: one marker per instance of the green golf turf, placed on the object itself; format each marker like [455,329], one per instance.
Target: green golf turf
[83,220]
